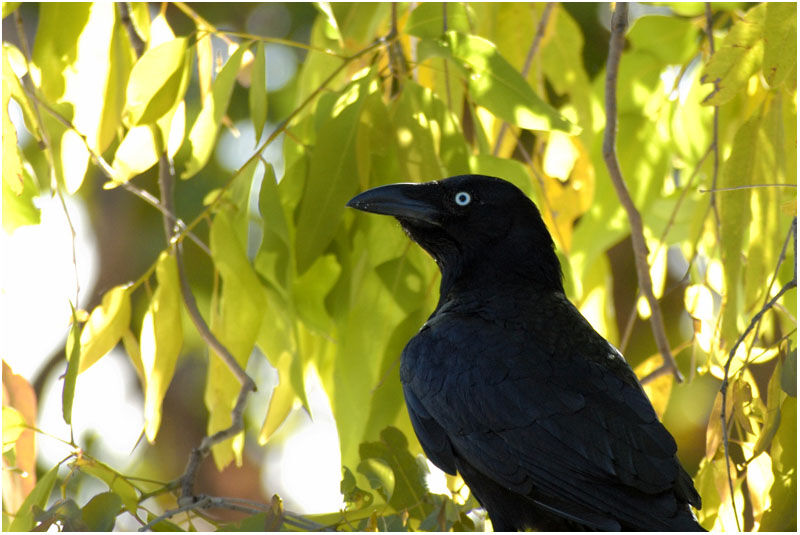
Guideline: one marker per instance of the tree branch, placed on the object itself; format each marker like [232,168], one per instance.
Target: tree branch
[619,21]
[548,8]
[166,181]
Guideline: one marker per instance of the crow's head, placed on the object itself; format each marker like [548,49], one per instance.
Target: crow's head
[473,226]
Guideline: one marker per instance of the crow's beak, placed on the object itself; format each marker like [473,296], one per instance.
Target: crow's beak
[405,201]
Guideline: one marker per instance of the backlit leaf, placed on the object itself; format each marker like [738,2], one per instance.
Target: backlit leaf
[73,352]
[106,325]
[332,178]
[236,324]
[116,483]
[258,90]
[200,142]
[497,86]
[780,42]
[157,81]
[160,341]
[737,58]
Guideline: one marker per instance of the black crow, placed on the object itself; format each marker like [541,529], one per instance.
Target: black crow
[508,384]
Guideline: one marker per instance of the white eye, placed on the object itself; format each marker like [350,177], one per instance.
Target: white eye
[462,198]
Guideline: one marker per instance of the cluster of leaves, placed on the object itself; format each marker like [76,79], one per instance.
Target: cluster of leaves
[389,93]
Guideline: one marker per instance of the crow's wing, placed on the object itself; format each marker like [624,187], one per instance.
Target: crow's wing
[557,425]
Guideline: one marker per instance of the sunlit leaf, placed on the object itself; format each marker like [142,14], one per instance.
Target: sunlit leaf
[258,90]
[773,417]
[672,40]
[116,483]
[780,41]
[18,396]
[236,324]
[106,325]
[73,352]
[393,471]
[782,513]
[332,178]
[734,208]
[160,341]
[200,142]
[497,86]
[280,402]
[157,81]
[427,19]
[81,56]
[737,57]
[13,426]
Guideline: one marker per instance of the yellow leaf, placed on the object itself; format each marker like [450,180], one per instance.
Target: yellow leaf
[658,390]
[161,341]
[105,327]
[699,302]
[281,401]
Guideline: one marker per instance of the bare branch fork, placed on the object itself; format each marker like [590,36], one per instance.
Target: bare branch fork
[619,21]
[753,323]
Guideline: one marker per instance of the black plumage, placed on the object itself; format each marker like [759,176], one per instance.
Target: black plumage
[508,384]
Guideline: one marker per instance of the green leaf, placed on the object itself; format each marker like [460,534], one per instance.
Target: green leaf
[157,81]
[82,57]
[310,290]
[258,90]
[160,341]
[332,178]
[116,483]
[737,58]
[13,426]
[101,512]
[358,22]
[106,325]
[562,64]
[23,521]
[498,87]
[9,8]
[773,417]
[427,19]
[236,323]
[395,473]
[672,40]
[782,513]
[511,170]
[199,145]
[789,375]
[272,259]
[18,208]
[73,351]
[780,42]
[734,207]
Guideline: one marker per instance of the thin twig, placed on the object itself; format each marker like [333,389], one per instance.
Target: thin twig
[619,21]
[133,35]
[753,322]
[548,8]
[748,186]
